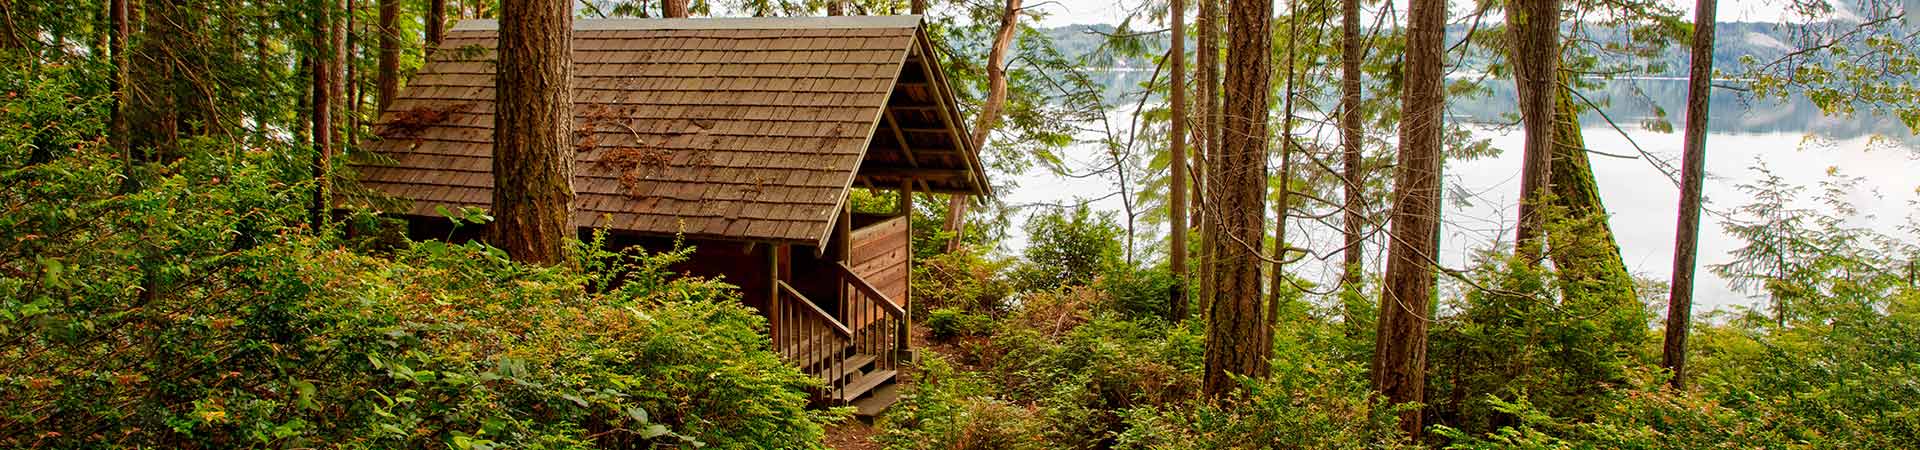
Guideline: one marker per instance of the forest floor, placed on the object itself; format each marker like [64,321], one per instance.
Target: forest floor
[857,434]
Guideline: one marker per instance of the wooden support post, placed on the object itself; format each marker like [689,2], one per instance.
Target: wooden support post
[904,335]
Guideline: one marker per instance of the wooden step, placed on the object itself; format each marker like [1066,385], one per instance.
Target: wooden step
[877,401]
[865,383]
[855,365]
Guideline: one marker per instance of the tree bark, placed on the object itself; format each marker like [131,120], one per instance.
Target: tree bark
[117,14]
[677,9]
[1177,191]
[836,7]
[1535,34]
[532,134]
[1209,138]
[989,117]
[1353,175]
[330,43]
[1238,337]
[436,23]
[1673,354]
[1399,366]
[388,80]
[1284,197]
[917,7]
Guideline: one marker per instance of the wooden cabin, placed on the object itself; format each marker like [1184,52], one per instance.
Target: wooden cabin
[742,136]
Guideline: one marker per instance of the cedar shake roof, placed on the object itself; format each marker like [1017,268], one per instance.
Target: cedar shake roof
[734,129]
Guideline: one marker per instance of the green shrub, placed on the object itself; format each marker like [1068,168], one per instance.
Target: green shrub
[1307,402]
[955,410]
[1137,294]
[965,280]
[203,311]
[949,323]
[1068,248]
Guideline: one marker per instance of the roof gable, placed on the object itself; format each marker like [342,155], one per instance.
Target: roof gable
[742,129]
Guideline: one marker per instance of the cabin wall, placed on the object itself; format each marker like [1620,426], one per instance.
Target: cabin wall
[880,255]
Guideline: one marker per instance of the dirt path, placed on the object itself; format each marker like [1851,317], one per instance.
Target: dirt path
[852,434]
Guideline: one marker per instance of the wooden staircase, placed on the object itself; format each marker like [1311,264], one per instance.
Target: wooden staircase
[856,353]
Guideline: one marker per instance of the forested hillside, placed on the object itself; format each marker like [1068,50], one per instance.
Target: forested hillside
[193,253]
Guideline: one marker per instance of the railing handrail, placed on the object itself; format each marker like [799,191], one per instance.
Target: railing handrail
[838,328]
[860,283]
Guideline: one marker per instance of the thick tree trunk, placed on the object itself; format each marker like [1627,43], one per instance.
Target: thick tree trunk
[388,81]
[1177,190]
[836,7]
[989,117]
[677,9]
[532,134]
[1535,26]
[1238,337]
[1399,367]
[917,7]
[1353,176]
[436,23]
[1686,243]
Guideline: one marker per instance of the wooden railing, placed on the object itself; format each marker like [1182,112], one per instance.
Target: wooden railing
[863,343]
[879,325]
[809,338]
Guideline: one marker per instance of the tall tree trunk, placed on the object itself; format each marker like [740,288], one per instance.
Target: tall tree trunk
[436,23]
[1284,197]
[1686,242]
[836,7]
[989,117]
[1177,191]
[1353,176]
[1535,26]
[917,7]
[677,9]
[1209,138]
[389,78]
[117,13]
[1399,367]
[532,134]
[350,60]
[1238,337]
[330,44]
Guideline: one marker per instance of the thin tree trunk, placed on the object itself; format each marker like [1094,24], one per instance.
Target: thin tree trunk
[1238,338]
[1353,176]
[117,13]
[677,9]
[1536,58]
[533,140]
[1400,348]
[350,59]
[1177,191]
[989,117]
[1283,198]
[389,78]
[1686,243]
[1209,138]
[436,23]
[331,46]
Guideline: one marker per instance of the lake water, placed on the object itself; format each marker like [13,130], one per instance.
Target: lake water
[1791,138]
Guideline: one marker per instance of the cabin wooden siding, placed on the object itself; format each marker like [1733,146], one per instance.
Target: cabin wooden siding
[880,256]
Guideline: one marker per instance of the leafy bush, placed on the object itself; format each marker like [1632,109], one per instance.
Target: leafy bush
[1068,248]
[964,280]
[201,310]
[948,323]
[951,409]
[1138,294]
